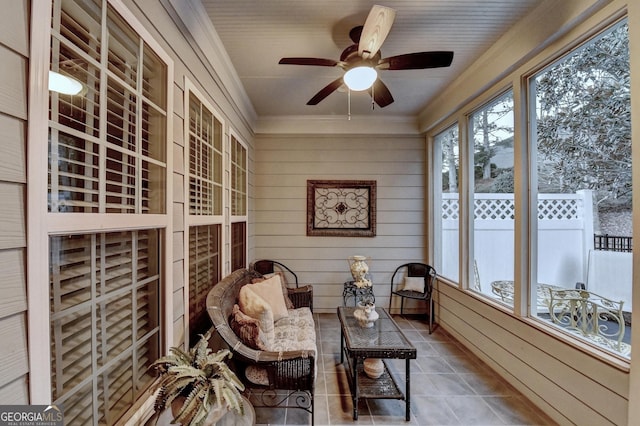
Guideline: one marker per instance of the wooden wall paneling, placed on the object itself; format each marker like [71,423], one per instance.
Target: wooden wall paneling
[178,188]
[178,303]
[178,217]
[15,392]
[178,157]
[178,246]
[178,332]
[178,274]
[13,134]
[14,26]
[607,375]
[13,285]
[12,216]
[14,356]
[13,83]
[544,368]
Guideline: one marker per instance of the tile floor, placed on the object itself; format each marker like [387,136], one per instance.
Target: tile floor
[449,386]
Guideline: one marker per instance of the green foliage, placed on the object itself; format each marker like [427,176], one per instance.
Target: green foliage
[584,119]
[200,376]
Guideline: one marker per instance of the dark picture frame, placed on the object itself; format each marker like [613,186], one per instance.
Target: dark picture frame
[341,208]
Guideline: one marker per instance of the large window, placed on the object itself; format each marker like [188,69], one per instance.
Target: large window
[448,202]
[105,321]
[491,134]
[578,278]
[107,169]
[238,204]
[205,147]
[582,134]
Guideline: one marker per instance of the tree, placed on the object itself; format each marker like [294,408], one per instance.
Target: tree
[491,125]
[584,119]
[449,143]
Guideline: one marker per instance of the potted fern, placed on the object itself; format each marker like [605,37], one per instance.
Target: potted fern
[196,384]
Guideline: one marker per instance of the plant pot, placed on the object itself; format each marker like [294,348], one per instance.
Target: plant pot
[212,418]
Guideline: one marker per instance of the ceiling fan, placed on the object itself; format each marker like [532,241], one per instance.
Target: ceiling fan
[361,60]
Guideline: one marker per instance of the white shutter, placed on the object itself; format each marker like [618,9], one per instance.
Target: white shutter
[107,154]
[105,321]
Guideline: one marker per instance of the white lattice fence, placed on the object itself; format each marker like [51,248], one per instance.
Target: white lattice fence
[564,236]
[502,206]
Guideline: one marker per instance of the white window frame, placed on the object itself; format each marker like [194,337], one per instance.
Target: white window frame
[196,220]
[525,195]
[41,224]
[238,218]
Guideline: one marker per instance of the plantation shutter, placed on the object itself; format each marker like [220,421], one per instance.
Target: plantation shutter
[205,140]
[130,158]
[204,271]
[205,160]
[238,204]
[107,155]
[104,321]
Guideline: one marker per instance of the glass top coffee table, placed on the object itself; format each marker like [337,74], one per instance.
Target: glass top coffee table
[384,340]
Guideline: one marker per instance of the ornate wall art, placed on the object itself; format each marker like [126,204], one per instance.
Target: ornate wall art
[341,208]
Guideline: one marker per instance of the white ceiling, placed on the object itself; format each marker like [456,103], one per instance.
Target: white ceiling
[257,33]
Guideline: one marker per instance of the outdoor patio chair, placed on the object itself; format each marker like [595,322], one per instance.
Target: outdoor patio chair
[414,281]
[266,266]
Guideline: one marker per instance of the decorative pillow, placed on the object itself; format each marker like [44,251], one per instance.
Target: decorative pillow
[283,282]
[247,329]
[271,291]
[256,307]
[414,284]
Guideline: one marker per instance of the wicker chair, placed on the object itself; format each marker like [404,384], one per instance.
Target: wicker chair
[292,371]
[414,269]
[266,266]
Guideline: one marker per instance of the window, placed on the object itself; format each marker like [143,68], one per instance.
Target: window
[491,130]
[238,204]
[446,154]
[582,131]
[107,164]
[205,260]
[205,165]
[105,321]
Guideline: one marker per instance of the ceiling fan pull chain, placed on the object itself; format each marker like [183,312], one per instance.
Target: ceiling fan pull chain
[349,103]
[373,97]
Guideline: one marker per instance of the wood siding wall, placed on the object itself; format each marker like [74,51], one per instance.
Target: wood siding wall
[283,165]
[570,385]
[14,57]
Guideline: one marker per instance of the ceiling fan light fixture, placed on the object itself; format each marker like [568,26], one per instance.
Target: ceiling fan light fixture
[360,78]
[64,84]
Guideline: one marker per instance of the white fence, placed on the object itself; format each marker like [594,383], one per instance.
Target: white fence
[565,239]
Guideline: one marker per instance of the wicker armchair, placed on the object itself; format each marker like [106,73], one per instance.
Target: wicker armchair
[417,270]
[293,371]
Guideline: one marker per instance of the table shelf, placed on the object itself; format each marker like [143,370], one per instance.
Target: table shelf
[384,387]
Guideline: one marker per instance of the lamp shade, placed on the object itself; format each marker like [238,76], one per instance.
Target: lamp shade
[360,78]
[63,84]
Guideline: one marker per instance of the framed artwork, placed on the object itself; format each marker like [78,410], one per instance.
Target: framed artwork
[341,208]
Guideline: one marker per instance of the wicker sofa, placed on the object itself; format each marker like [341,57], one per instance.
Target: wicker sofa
[287,373]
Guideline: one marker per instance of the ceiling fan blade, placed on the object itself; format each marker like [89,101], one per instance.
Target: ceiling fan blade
[355,33]
[375,30]
[309,61]
[381,94]
[325,91]
[416,61]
